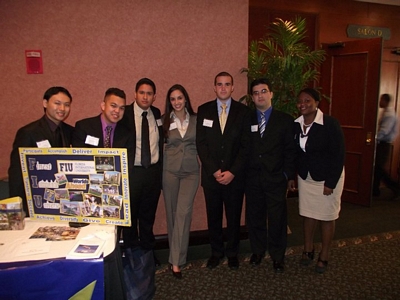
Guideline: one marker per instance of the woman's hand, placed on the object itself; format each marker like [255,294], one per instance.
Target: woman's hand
[327,191]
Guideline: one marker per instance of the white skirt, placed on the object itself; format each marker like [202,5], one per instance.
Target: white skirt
[314,204]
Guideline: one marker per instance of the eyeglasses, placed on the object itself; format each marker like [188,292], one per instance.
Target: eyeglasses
[263,91]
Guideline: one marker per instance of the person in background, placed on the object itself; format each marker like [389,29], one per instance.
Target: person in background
[49,131]
[271,164]
[388,128]
[146,176]
[181,173]
[222,139]
[320,167]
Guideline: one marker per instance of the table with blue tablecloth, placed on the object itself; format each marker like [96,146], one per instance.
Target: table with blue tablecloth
[49,275]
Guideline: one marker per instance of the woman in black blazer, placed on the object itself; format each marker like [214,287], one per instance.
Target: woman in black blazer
[320,160]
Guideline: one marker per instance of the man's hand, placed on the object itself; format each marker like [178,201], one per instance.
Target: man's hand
[224,178]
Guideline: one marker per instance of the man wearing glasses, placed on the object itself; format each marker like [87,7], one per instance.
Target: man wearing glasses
[271,164]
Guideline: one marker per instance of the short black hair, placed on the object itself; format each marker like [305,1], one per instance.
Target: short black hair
[116,92]
[386,97]
[145,81]
[260,81]
[54,91]
[312,92]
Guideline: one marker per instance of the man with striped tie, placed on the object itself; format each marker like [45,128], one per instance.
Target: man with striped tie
[271,165]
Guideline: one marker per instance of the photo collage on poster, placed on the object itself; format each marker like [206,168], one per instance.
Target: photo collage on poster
[85,187]
[95,195]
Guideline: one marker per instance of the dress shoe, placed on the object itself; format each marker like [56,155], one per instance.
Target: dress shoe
[256,259]
[233,263]
[278,266]
[176,274]
[156,261]
[213,262]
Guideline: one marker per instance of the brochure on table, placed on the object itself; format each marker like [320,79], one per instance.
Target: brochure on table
[84,185]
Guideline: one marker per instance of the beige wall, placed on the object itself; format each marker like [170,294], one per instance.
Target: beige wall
[89,46]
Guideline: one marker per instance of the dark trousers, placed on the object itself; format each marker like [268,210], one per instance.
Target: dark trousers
[380,173]
[145,189]
[266,217]
[231,198]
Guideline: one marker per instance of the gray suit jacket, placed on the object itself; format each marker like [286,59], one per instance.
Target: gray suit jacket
[180,154]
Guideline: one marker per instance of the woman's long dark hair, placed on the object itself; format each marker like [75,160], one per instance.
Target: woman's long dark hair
[169,109]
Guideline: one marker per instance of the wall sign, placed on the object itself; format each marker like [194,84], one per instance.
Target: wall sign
[88,185]
[367,32]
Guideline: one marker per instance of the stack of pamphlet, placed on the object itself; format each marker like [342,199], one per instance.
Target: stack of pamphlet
[12,215]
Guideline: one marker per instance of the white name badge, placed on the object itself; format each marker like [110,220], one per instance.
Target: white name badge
[254,128]
[159,122]
[172,126]
[208,123]
[43,144]
[91,140]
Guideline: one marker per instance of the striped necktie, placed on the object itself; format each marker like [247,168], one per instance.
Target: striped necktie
[261,125]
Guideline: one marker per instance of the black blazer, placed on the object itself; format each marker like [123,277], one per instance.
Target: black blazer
[129,121]
[325,152]
[228,151]
[92,126]
[273,155]
[29,136]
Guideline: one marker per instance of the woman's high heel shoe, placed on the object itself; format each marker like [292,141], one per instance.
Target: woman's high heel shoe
[177,275]
[321,269]
[307,258]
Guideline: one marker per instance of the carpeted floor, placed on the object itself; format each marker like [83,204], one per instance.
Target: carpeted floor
[360,268]
[364,263]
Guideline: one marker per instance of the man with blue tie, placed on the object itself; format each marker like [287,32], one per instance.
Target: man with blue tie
[271,164]
[222,139]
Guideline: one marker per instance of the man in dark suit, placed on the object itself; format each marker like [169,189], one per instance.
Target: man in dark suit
[48,131]
[223,128]
[271,164]
[145,178]
[93,132]
[105,131]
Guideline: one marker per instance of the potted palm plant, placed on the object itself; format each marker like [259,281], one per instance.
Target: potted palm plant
[286,61]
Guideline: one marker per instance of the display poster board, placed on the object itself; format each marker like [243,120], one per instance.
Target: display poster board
[84,185]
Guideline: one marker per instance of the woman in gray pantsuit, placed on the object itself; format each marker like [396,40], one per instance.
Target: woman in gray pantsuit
[180,173]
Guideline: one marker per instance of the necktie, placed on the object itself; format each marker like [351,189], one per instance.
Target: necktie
[261,126]
[145,154]
[57,137]
[223,116]
[107,139]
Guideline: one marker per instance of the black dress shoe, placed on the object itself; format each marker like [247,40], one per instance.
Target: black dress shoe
[256,259]
[278,266]
[213,262]
[156,261]
[177,275]
[233,263]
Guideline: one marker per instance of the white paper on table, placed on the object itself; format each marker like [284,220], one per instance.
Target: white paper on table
[33,246]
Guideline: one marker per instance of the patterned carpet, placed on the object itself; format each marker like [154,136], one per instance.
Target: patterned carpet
[367,267]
